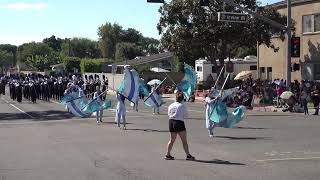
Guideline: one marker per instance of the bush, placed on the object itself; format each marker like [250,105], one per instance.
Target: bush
[71,63]
[92,65]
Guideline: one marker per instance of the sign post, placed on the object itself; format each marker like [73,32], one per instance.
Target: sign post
[114,70]
[233,17]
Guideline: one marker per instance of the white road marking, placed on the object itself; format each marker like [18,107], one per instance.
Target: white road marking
[287,159]
[17,108]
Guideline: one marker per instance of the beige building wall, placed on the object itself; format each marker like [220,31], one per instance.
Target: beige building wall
[309,52]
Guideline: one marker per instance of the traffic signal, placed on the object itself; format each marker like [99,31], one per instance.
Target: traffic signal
[295,47]
[155,1]
[204,2]
[296,67]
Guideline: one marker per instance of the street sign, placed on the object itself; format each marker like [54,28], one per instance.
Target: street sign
[233,17]
[155,1]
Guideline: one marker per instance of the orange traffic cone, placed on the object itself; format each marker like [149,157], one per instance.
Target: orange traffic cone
[196,93]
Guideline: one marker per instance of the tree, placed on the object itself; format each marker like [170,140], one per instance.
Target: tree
[131,36]
[81,48]
[150,46]
[127,51]
[112,34]
[109,36]
[38,55]
[29,50]
[192,31]
[54,43]
[43,62]
[6,59]
[10,49]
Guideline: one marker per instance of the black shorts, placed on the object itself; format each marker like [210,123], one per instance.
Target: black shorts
[176,126]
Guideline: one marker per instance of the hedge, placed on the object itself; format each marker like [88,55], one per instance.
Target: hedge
[71,63]
[92,65]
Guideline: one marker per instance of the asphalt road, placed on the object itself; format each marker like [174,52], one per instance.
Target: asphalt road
[41,141]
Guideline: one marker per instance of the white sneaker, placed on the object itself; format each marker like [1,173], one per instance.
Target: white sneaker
[210,135]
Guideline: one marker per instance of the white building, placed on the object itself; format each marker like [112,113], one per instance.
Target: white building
[205,68]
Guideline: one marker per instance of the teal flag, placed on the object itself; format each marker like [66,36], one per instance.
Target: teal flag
[219,111]
[190,75]
[70,97]
[143,88]
[222,118]
[189,81]
[93,106]
[107,104]
[186,88]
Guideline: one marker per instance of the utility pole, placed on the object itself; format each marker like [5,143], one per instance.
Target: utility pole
[289,44]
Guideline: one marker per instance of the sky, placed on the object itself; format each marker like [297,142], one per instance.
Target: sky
[24,21]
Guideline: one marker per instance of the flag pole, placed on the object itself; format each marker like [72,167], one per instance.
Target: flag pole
[215,84]
[220,94]
[170,78]
[155,89]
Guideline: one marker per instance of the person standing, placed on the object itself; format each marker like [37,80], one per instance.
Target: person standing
[19,92]
[209,124]
[177,112]
[33,93]
[156,89]
[280,89]
[121,111]
[316,98]
[304,101]
[135,106]
[97,96]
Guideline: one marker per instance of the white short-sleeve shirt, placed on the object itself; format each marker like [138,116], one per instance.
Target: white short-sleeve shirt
[177,111]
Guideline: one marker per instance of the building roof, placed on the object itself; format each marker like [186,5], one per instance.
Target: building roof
[57,65]
[147,59]
[283,4]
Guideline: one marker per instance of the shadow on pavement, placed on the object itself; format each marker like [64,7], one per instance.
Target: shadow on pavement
[218,161]
[249,128]
[37,116]
[271,115]
[243,138]
[112,122]
[148,130]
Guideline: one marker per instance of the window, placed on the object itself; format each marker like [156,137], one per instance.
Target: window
[311,23]
[269,69]
[316,71]
[199,68]
[213,69]
[253,67]
[317,23]
[307,23]
[262,70]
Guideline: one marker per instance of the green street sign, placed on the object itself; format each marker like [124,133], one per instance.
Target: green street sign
[155,1]
[233,17]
